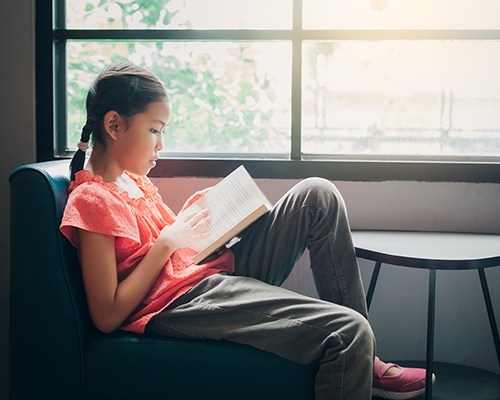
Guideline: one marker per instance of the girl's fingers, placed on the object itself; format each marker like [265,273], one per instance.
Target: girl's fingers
[203,235]
[192,217]
[186,216]
[202,227]
[199,217]
[202,224]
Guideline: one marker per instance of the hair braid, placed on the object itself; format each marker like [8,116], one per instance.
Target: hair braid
[78,161]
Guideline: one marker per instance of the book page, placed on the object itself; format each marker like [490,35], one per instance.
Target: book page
[229,202]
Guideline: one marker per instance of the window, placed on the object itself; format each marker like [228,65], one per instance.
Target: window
[358,89]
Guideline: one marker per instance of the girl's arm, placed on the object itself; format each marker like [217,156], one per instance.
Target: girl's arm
[110,302]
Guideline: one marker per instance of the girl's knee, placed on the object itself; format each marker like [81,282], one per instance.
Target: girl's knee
[355,334]
[364,338]
[321,192]
[318,183]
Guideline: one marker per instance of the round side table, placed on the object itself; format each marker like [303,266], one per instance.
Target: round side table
[432,251]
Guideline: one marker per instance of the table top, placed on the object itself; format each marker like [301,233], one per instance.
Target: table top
[429,250]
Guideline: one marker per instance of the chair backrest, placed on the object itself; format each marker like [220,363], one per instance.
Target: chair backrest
[49,318]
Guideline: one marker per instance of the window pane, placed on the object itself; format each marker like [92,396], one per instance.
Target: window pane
[401,98]
[227,97]
[179,14]
[398,14]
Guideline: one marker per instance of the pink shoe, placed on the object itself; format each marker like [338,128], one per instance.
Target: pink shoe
[409,383]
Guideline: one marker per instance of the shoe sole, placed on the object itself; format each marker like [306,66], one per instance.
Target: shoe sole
[395,395]
[384,394]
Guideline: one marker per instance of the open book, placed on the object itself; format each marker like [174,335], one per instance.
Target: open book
[234,203]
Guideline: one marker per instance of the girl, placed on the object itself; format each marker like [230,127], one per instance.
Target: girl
[136,255]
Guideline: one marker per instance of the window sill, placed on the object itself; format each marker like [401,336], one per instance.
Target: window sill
[340,170]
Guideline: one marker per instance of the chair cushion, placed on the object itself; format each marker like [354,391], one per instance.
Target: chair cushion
[128,366]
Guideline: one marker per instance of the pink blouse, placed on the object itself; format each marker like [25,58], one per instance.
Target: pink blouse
[99,207]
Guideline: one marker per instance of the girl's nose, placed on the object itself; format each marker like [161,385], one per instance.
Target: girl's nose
[159,142]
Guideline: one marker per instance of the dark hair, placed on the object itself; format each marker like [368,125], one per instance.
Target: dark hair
[121,87]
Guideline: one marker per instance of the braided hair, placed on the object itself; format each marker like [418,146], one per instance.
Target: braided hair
[121,87]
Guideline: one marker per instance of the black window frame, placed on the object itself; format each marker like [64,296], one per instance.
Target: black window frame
[50,59]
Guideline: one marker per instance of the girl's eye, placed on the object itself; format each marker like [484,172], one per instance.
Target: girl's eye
[155,131]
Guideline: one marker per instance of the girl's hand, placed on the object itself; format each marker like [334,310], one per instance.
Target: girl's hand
[188,229]
[194,197]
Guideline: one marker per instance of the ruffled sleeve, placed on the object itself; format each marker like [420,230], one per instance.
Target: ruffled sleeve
[97,207]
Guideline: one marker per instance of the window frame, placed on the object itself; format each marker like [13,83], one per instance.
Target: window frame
[51,82]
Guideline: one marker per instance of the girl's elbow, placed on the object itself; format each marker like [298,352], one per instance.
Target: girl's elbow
[106,328]
[105,325]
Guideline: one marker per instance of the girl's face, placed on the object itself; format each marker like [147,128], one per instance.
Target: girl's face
[142,138]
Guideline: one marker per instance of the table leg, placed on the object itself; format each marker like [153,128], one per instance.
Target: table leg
[373,282]
[430,334]
[489,309]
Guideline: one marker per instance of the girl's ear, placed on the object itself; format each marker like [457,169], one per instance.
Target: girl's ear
[112,123]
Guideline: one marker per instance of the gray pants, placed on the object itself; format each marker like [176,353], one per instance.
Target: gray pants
[249,307]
